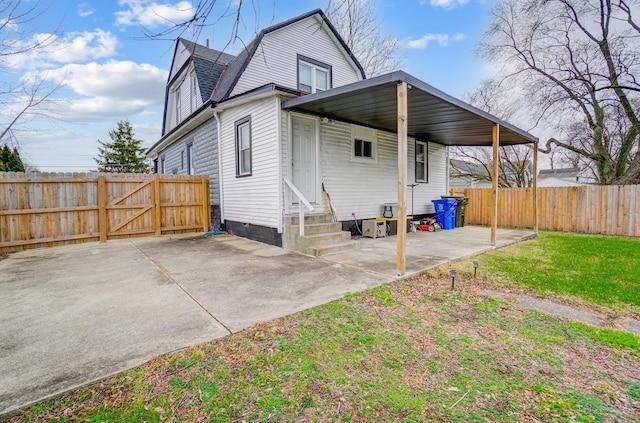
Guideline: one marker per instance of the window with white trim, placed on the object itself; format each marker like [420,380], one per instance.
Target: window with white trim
[313,76]
[243,146]
[363,146]
[190,167]
[178,106]
[422,165]
[194,92]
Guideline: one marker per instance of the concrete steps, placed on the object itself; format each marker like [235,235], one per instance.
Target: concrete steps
[322,236]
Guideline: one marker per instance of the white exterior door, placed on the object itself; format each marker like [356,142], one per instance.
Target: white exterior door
[304,158]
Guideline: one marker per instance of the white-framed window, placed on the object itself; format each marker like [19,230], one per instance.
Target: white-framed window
[422,164]
[178,106]
[243,146]
[313,76]
[363,144]
[194,92]
[190,168]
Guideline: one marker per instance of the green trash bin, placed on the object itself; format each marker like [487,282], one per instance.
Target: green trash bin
[461,208]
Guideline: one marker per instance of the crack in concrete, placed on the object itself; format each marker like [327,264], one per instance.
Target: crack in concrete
[167,273]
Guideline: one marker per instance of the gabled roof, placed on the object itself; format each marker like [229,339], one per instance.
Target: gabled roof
[238,65]
[208,63]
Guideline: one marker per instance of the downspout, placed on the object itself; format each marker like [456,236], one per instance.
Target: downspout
[220,184]
[280,180]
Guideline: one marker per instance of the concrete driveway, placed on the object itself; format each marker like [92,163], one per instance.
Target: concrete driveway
[75,314]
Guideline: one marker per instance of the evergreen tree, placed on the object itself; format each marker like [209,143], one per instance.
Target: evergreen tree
[123,154]
[10,160]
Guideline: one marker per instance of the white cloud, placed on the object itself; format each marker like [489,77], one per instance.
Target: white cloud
[445,4]
[73,47]
[122,80]
[8,24]
[443,39]
[84,10]
[114,89]
[150,13]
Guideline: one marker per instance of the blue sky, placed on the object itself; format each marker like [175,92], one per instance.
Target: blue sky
[109,70]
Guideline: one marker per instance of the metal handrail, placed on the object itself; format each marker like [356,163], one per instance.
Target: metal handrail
[300,209]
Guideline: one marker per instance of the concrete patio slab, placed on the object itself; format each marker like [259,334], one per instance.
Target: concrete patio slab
[425,249]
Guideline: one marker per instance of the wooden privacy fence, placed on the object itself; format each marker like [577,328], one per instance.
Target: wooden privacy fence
[43,209]
[610,210]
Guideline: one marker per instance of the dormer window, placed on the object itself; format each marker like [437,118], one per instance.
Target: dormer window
[313,76]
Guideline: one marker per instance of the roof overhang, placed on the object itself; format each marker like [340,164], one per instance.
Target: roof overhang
[432,114]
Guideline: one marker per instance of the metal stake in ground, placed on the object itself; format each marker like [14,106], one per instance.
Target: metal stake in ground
[453,278]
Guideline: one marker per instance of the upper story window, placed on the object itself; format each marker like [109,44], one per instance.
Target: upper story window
[178,106]
[313,76]
[194,92]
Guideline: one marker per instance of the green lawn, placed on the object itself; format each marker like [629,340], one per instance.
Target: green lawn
[599,269]
[410,351]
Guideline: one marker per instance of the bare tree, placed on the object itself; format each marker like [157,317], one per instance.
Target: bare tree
[515,168]
[357,23]
[20,97]
[577,64]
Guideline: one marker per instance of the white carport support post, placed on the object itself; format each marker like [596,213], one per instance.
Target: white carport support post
[494,181]
[402,178]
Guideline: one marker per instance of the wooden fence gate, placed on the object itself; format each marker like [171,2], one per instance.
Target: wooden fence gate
[44,209]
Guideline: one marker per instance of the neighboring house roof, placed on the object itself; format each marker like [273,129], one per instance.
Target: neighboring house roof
[464,168]
[566,173]
[237,66]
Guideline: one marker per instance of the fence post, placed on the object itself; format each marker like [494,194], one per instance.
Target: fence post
[102,208]
[157,221]
[206,220]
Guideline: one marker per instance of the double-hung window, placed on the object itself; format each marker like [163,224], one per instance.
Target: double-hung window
[243,146]
[422,168]
[178,106]
[313,76]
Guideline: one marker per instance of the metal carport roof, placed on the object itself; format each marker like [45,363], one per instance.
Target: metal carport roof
[432,114]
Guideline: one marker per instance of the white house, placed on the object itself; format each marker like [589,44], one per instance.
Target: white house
[292,112]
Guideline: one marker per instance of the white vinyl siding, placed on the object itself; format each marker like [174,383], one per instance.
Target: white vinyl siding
[362,188]
[201,157]
[181,56]
[275,59]
[253,199]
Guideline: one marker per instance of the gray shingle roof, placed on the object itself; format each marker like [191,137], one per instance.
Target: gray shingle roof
[209,64]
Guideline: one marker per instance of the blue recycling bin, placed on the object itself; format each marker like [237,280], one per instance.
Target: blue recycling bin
[446,212]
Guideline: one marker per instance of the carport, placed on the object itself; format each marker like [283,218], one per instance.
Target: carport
[400,103]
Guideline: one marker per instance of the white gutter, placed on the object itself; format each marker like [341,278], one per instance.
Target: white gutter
[216,115]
